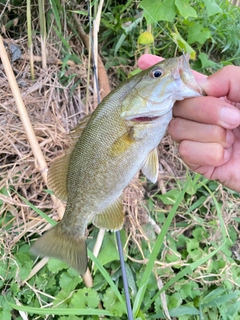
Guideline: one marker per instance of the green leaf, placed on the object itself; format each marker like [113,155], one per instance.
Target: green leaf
[131,279]
[169,197]
[174,300]
[85,298]
[183,310]
[112,304]
[127,30]
[193,249]
[156,10]
[55,265]
[186,271]
[5,309]
[107,278]
[158,243]
[178,39]
[25,264]
[108,250]
[5,314]
[69,281]
[206,63]
[62,299]
[234,308]
[197,33]
[171,256]
[224,299]
[185,9]
[200,234]
[190,289]
[212,7]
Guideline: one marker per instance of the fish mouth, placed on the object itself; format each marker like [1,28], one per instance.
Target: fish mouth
[144,119]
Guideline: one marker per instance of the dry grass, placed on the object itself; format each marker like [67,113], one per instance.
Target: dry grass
[54,109]
[53,112]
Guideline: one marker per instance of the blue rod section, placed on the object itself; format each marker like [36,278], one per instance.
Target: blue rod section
[124,276]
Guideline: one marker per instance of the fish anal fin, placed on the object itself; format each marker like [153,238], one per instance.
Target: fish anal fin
[112,218]
[58,244]
[151,166]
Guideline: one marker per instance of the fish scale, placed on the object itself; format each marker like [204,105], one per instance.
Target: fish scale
[108,148]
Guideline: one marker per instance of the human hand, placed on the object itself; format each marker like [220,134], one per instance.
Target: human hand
[207,128]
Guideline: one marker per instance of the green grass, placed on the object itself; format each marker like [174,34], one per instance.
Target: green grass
[193,255]
[194,279]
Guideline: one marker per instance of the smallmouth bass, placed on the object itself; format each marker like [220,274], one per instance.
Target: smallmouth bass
[109,147]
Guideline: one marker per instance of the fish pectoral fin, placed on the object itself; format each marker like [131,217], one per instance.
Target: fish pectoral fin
[122,143]
[112,218]
[58,172]
[151,166]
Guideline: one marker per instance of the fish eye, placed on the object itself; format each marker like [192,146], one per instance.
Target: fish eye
[156,73]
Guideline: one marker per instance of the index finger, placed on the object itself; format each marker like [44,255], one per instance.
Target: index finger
[224,82]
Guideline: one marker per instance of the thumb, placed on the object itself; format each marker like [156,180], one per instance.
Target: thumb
[223,83]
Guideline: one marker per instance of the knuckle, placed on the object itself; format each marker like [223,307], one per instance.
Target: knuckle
[207,154]
[184,151]
[216,156]
[173,127]
[218,133]
[229,69]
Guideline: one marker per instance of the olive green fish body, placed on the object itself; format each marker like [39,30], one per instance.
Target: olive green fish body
[114,143]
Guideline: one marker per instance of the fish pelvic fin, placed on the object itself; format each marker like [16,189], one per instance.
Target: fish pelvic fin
[58,244]
[112,218]
[58,172]
[151,166]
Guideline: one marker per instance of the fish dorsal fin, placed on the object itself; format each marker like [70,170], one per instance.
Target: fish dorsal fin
[76,132]
[57,177]
[112,218]
[151,165]
[58,172]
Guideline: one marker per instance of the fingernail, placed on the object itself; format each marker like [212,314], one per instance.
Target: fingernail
[230,116]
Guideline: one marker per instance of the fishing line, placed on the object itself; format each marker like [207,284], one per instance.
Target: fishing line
[167,34]
[119,243]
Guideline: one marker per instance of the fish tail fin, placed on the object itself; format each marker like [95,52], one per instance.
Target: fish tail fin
[59,244]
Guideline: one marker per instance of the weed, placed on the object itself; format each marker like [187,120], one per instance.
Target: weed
[181,244]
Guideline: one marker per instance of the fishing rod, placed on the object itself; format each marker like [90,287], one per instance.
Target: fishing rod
[119,242]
